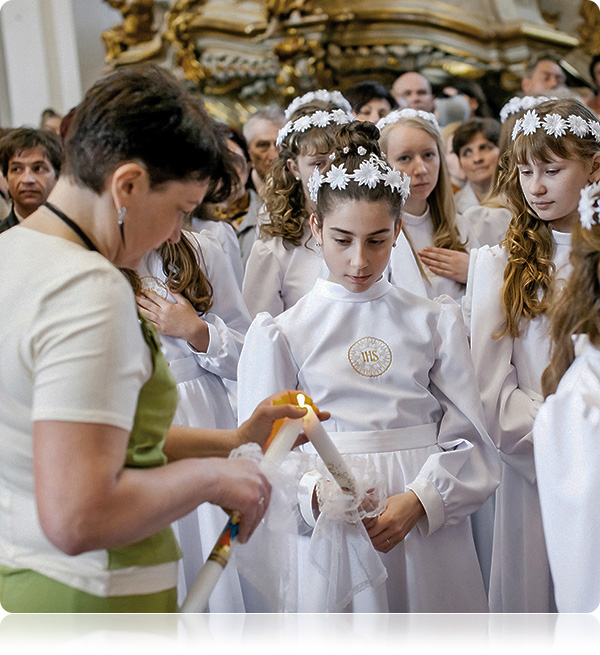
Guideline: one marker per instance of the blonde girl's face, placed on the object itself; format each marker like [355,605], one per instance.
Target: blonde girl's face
[357,239]
[415,152]
[552,189]
[302,168]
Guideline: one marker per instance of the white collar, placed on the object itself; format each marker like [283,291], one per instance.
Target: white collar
[335,291]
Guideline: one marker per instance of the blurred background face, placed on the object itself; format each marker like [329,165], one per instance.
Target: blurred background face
[478,159]
[546,76]
[373,110]
[414,91]
[262,148]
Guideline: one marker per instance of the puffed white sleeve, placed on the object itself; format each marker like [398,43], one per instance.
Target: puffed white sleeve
[509,410]
[566,438]
[263,281]
[457,480]
[228,318]
[266,365]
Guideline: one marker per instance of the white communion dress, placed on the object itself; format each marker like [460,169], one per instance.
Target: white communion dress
[567,460]
[394,370]
[509,373]
[203,399]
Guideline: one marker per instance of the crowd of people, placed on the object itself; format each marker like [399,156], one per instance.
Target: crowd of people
[426,272]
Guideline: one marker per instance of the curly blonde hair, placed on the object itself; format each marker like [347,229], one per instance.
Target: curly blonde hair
[283,194]
[441,200]
[576,309]
[529,273]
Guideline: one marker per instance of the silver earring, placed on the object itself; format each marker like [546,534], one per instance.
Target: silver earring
[297,179]
[121,216]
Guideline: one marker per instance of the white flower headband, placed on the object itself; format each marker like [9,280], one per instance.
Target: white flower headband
[397,114]
[556,126]
[589,205]
[371,172]
[521,103]
[317,119]
[334,97]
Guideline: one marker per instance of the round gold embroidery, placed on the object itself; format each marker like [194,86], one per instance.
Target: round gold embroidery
[370,357]
[151,283]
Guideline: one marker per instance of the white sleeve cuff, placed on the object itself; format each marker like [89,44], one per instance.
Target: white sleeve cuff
[306,489]
[213,343]
[433,504]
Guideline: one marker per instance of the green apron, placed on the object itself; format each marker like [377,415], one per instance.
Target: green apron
[25,590]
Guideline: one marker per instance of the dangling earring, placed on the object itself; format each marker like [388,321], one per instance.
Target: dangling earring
[121,216]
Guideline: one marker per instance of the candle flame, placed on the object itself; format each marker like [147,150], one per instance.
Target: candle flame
[301,399]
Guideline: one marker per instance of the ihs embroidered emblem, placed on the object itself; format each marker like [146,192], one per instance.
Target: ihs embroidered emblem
[370,357]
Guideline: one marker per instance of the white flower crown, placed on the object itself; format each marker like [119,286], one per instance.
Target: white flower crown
[334,97]
[397,114]
[371,172]
[521,103]
[317,119]
[589,205]
[556,126]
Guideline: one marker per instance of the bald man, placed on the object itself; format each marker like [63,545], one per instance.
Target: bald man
[414,90]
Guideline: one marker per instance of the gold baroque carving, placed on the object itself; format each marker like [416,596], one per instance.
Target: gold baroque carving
[135,30]
[589,30]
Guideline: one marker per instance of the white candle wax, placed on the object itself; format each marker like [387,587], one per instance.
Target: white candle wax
[285,439]
[329,453]
[197,598]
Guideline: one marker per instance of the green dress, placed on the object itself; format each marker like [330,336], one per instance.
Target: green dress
[25,590]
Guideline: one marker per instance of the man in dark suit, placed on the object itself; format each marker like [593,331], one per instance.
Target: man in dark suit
[30,161]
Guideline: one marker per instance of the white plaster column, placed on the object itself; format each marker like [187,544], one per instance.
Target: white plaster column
[41,65]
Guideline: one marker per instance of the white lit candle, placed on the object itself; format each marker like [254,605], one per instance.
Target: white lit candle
[330,455]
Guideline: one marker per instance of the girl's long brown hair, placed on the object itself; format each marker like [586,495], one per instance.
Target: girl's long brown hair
[576,309]
[529,274]
[183,273]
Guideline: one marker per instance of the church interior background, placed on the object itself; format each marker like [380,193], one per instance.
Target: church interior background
[241,53]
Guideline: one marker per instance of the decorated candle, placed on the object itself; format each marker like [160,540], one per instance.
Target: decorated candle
[280,442]
[330,455]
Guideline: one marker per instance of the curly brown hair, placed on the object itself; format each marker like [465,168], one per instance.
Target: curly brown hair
[283,194]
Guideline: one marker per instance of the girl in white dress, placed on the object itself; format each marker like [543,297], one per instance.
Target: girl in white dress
[554,153]
[189,291]
[566,429]
[285,262]
[412,143]
[394,370]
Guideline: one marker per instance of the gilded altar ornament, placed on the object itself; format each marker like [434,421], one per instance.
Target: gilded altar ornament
[589,29]
[136,28]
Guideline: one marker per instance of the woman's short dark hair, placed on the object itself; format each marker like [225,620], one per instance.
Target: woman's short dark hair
[363,92]
[143,114]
